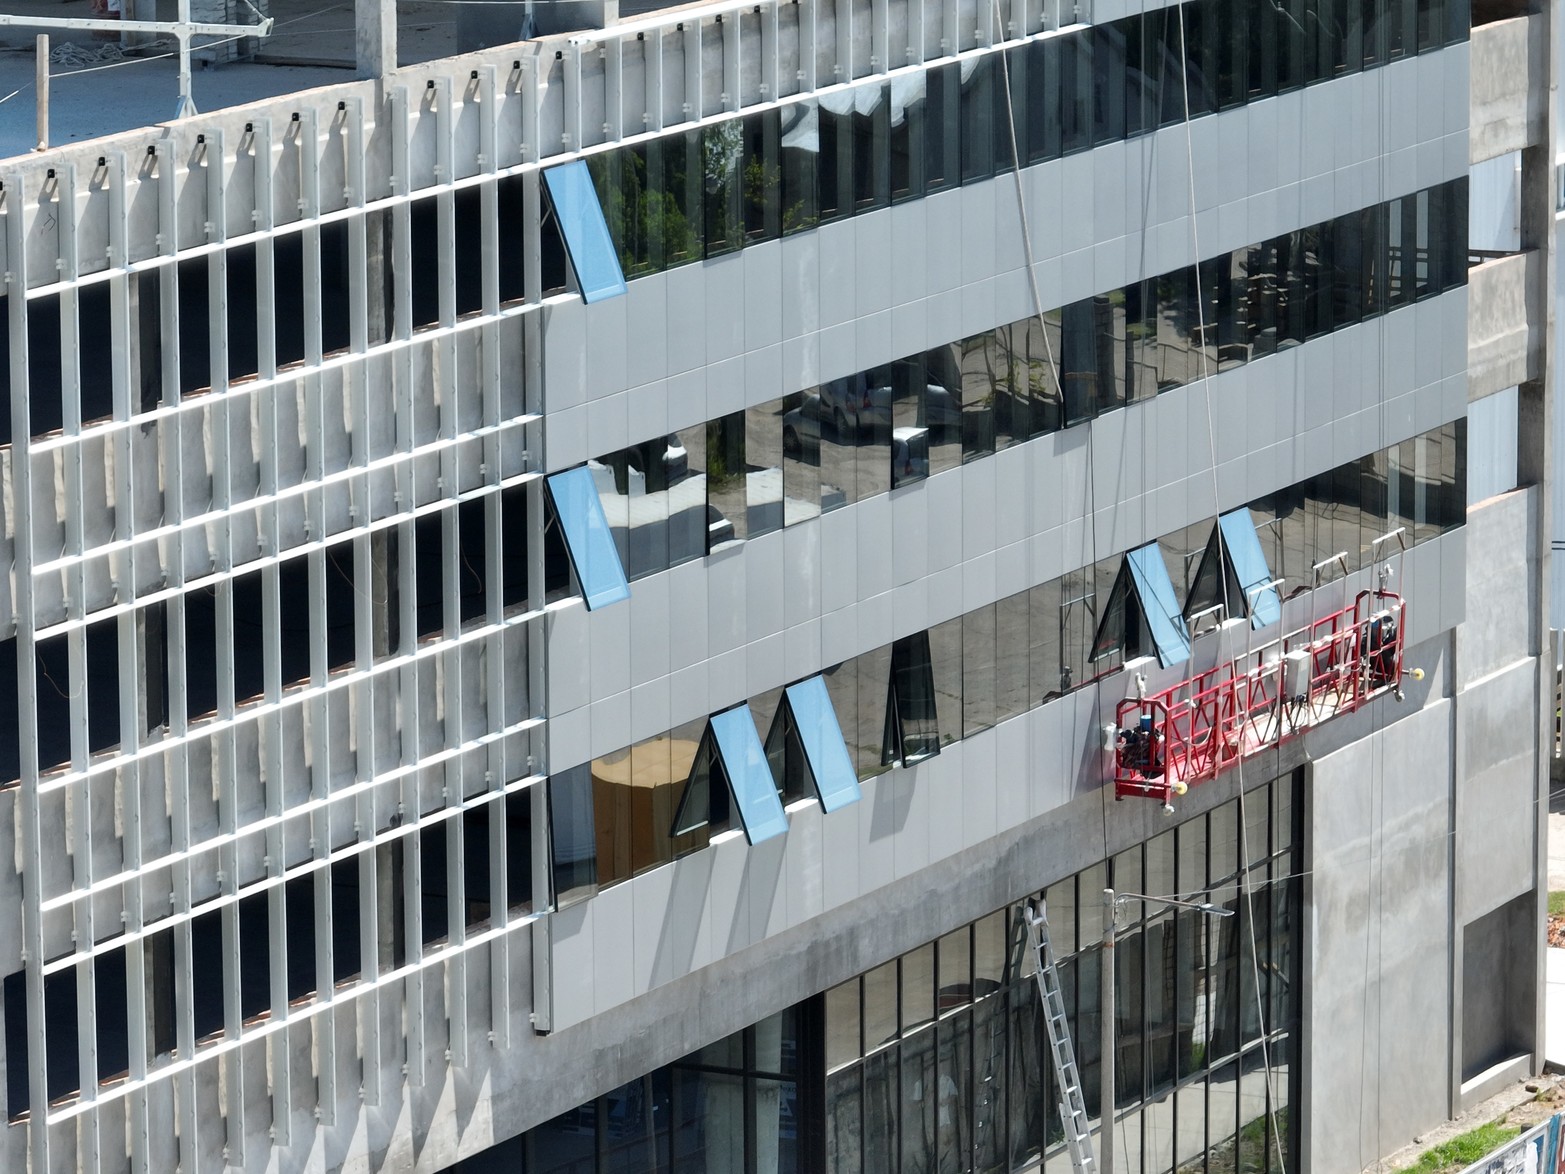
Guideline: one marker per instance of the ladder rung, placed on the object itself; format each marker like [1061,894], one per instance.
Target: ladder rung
[1073,1112]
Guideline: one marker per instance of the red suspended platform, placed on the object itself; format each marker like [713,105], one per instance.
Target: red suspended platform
[1169,741]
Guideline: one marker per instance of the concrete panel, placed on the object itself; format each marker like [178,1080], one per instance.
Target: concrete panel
[763,602]
[1506,110]
[943,268]
[763,295]
[569,680]
[1497,778]
[610,651]
[607,348]
[882,813]
[565,354]
[1501,598]
[1379,940]
[874,545]
[686,308]
[646,329]
[837,293]
[725,317]
[650,630]
[913,814]
[726,600]
[910,534]
[613,981]
[1502,349]
[874,247]
[799,297]
[909,228]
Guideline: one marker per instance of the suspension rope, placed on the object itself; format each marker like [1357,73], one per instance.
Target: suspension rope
[1246,883]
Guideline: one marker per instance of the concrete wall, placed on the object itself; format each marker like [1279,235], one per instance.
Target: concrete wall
[1508,105]
[1506,345]
[1418,832]
[1378,946]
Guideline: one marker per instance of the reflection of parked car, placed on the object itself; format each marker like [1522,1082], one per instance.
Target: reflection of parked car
[857,410]
[802,426]
[909,455]
[669,451]
[853,406]
[718,528]
[942,413]
[676,461]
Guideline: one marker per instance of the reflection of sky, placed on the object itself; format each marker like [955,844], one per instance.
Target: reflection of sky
[801,128]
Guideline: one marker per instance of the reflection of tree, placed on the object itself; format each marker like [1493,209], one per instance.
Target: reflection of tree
[679,198]
[645,212]
[722,148]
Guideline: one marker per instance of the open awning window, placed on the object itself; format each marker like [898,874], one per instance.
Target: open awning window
[588,539]
[912,723]
[1208,601]
[1142,609]
[731,763]
[826,754]
[1159,605]
[586,233]
[1249,567]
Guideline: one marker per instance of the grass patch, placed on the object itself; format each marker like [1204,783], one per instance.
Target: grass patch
[1556,904]
[1466,1148]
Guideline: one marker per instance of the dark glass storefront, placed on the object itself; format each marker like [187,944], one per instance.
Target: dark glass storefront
[936,1062]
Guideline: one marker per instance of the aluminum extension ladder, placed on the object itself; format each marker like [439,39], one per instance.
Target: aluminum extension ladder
[1073,1109]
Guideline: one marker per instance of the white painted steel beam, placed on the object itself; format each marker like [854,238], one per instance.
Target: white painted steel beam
[172,27]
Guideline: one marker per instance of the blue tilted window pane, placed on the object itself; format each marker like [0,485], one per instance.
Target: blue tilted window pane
[588,538]
[1250,568]
[585,231]
[1159,605]
[749,775]
[813,716]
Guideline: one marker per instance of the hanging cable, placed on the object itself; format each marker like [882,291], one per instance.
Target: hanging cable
[1090,528]
[1246,884]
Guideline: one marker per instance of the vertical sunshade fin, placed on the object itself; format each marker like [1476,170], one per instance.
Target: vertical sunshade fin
[749,774]
[1159,604]
[588,539]
[836,782]
[1250,568]
[586,233]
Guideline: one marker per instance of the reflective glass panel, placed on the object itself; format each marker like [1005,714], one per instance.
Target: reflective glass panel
[1012,657]
[912,724]
[801,456]
[800,155]
[727,484]
[572,839]
[763,452]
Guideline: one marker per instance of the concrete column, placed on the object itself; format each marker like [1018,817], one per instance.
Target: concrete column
[377,276]
[1534,459]
[388,906]
[375,37]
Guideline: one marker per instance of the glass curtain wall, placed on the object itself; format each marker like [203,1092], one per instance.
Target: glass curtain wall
[902,702]
[937,1061]
[693,194]
[677,497]
[747,1104]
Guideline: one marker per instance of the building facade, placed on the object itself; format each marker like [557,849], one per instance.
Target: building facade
[564,598]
